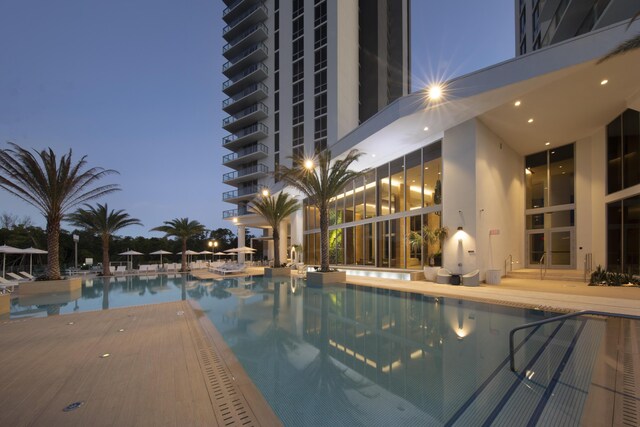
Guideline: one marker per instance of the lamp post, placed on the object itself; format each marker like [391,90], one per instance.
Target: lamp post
[76,238]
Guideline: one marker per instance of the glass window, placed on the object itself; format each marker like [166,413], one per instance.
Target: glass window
[336,248]
[614,236]
[561,175]
[350,246]
[432,176]
[536,180]
[383,189]
[358,199]
[340,209]
[631,147]
[397,242]
[397,185]
[414,190]
[369,240]
[348,202]
[414,246]
[631,235]
[383,244]
[370,194]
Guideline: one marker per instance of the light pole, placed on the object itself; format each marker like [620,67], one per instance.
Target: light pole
[76,238]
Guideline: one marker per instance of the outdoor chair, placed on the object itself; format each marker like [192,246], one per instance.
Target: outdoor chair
[27,275]
[443,277]
[17,278]
[472,278]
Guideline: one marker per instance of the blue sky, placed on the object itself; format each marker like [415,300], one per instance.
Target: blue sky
[135,86]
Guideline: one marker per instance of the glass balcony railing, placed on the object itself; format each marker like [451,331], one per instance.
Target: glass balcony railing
[255,128]
[244,73]
[241,192]
[259,168]
[244,16]
[235,212]
[259,107]
[246,92]
[256,47]
[244,35]
[257,148]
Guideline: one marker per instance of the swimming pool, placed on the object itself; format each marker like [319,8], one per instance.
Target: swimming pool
[363,356]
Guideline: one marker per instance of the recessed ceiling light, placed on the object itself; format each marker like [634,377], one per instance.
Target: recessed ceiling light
[426,128]
[530,121]
[604,82]
[560,166]
[426,168]
[547,143]
[517,103]
[373,155]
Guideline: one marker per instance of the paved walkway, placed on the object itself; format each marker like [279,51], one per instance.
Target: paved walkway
[166,367]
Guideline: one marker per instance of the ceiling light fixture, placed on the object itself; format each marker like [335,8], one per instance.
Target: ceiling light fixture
[547,143]
[426,128]
[517,103]
[530,121]
[604,82]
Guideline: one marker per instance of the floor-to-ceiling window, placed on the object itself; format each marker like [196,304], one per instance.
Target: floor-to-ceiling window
[371,221]
[623,172]
[550,207]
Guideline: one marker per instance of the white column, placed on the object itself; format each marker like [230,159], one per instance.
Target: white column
[241,243]
[283,242]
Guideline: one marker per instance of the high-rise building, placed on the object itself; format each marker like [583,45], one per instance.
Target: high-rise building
[301,75]
[541,23]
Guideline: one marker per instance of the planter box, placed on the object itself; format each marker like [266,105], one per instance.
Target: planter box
[5,304]
[277,272]
[50,286]
[317,279]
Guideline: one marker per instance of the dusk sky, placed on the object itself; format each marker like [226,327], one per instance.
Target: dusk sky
[136,86]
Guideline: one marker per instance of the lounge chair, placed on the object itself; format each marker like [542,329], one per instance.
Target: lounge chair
[27,275]
[143,268]
[112,269]
[6,284]
[472,278]
[122,269]
[17,278]
[443,277]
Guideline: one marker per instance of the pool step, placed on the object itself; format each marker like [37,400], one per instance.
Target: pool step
[554,372]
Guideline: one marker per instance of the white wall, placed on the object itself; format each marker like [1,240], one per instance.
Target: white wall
[500,201]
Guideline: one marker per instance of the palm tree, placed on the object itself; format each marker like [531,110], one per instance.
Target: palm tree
[626,46]
[320,181]
[98,220]
[181,228]
[274,210]
[53,187]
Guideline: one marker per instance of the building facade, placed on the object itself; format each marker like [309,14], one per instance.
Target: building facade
[301,75]
[541,23]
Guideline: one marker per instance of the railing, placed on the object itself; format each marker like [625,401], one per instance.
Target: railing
[254,128]
[512,362]
[510,259]
[555,20]
[244,73]
[254,189]
[543,266]
[235,212]
[242,17]
[259,147]
[243,35]
[244,54]
[588,265]
[249,110]
[246,92]
[259,168]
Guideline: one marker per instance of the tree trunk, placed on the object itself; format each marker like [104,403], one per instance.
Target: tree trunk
[276,247]
[53,247]
[184,256]
[324,238]
[105,255]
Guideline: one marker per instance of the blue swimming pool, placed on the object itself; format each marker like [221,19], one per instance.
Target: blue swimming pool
[374,357]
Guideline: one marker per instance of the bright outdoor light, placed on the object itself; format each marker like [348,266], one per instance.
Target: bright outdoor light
[547,143]
[308,164]
[517,103]
[265,192]
[530,121]
[434,92]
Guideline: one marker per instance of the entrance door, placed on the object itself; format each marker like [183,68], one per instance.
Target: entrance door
[556,245]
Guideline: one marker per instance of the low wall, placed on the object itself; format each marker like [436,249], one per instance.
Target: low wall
[50,286]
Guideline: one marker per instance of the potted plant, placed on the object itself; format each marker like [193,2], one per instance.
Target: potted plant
[430,236]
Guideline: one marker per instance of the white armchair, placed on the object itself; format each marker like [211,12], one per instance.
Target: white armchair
[443,276]
[472,278]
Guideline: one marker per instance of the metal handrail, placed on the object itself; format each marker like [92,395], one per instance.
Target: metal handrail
[510,258]
[512,355]
[542,265]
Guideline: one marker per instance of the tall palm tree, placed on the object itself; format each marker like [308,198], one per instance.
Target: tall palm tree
[52,186]
[98,220]
[274,210]
[320,180]
[626,46]
[181,228]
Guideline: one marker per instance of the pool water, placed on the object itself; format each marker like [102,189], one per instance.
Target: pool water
[373,357]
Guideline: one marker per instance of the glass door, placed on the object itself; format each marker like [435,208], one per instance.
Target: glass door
[556,246]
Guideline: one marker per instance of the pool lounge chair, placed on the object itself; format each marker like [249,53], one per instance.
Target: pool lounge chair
[17,278]
[234,269]
[6,284]
[27,275]
[443,277]
[122,269]
[112,269]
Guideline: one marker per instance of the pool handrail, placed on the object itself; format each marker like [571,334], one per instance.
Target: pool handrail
[512,362]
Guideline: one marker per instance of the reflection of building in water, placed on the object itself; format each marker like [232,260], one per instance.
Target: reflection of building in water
[407,343]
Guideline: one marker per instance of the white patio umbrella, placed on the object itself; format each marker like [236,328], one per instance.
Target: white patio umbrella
[220,254]
[4,250]
[33,251]
[129,254]
[161,252]
[205,253]
[241,250]
[188,252]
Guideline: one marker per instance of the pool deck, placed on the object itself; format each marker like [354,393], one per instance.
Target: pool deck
[166,366]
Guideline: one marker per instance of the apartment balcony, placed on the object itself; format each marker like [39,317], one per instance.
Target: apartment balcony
[236,140]
[235,8]
[241,194]
[248,154]
[232,213]
[247,174]
[252,74]
[256,53]
[250,95]
[244,118]
[250,36]
[250,16]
